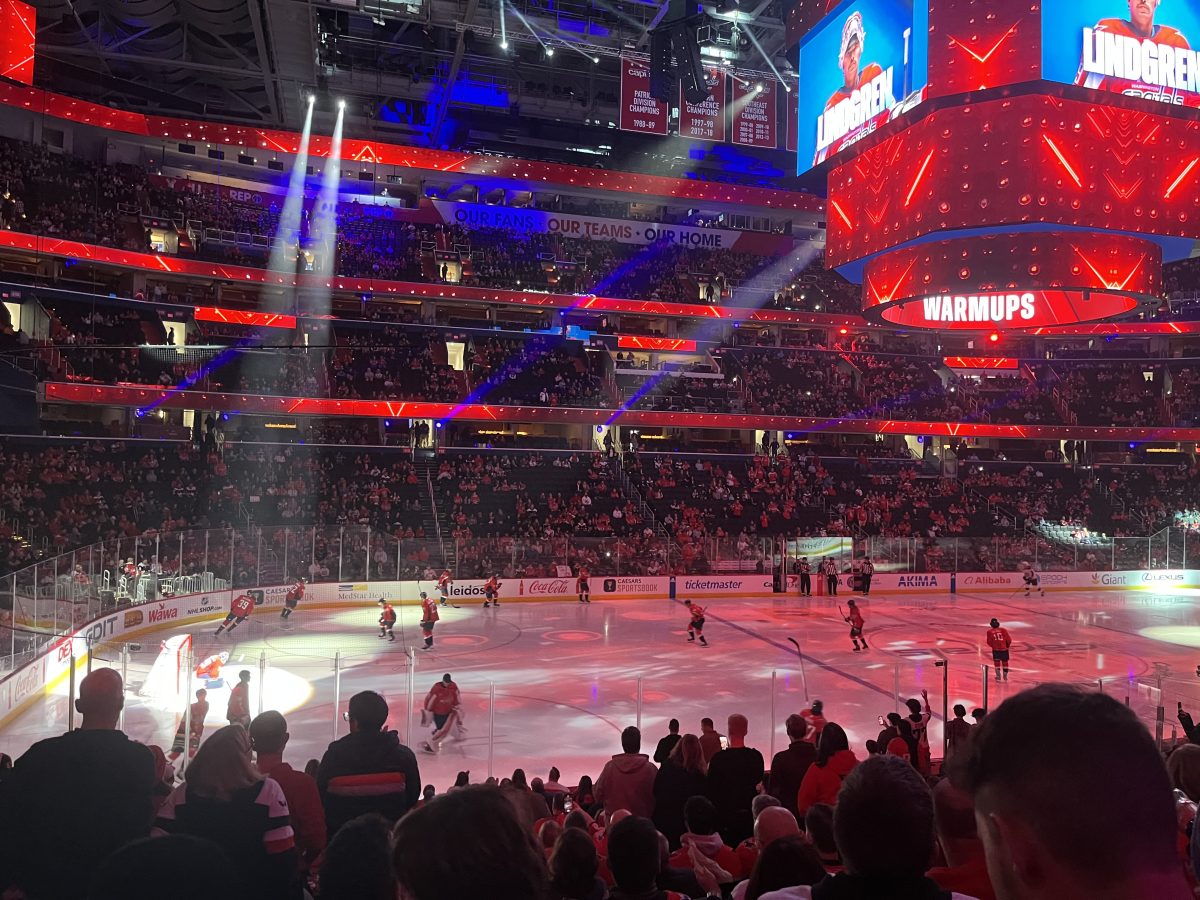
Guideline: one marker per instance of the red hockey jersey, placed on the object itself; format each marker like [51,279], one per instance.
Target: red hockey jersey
[242,606]
[998,639]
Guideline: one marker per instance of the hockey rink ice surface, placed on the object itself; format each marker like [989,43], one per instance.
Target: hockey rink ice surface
[566,676]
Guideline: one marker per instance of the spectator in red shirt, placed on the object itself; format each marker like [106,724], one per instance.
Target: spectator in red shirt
[966,866]
[268,737]
[835,760]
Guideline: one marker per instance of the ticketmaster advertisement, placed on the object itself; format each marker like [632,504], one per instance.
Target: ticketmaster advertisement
[862,65]
[1138,48]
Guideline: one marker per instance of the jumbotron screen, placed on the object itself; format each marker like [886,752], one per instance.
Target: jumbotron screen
[1139,48]
[863,64]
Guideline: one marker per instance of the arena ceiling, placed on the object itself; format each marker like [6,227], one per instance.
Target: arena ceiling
[253,61]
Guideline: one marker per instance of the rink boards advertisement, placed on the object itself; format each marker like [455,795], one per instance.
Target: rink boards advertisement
[1134,49]
[29,683]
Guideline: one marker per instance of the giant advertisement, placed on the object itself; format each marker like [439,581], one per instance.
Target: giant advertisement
[862,65]
[1137,48]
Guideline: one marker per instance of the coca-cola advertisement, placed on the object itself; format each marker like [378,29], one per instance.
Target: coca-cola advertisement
[548,587]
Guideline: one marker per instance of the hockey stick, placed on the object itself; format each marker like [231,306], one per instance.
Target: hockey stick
[803,675]
[842,612]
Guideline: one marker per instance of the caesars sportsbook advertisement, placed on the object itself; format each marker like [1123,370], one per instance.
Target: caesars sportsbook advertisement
[863,64]
[1138,48]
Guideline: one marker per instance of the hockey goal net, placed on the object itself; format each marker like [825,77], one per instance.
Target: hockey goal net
[167,682]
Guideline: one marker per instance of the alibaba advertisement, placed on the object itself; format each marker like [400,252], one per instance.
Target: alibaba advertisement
[862,65]
[1138,48]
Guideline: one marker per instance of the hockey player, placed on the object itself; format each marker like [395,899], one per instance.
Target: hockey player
[805,577]
[491,591]
[429,617]
[199,711]
[1000,642]
[1033,581]
[387,620]
[443,704]
[210,668]
[866,569]
[239,612]
[828,568]
[444,583]
[292,599]
[582,587]
[855,618]
[696,625]
[238,711]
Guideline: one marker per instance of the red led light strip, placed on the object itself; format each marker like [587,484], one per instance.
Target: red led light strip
[256,404]
[244,317]
[980,362]
[641,342]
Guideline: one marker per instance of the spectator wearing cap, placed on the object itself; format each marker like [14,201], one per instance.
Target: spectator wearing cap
[1084,811]
[268,737]
[72,800]
[368,770]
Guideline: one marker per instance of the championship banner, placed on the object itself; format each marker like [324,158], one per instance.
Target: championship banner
[639,111]
[1136,49]
[624,231]
[755,121]
[705,121]
[861,66]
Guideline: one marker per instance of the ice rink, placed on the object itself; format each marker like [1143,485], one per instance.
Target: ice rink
[567,677]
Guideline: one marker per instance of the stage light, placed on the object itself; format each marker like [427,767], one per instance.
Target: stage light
[549,51]
[843,331]
[993,337]
[787,88]
[596,60]
[758,88]
[341,104]
[312,98]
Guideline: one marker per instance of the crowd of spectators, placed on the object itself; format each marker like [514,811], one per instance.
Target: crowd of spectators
[1002,817]
[393,364]
[54,193]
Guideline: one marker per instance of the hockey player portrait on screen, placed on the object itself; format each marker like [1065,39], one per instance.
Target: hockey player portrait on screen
[1141,51]
[863,63]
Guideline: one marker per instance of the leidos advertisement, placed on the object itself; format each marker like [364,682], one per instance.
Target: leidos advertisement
[1139,48]
[866,62]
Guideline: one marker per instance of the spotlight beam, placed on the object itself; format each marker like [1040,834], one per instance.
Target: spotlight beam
[749,32]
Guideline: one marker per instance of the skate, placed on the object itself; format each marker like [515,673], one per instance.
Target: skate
[428,748]
[486,604]
[427,647]
[703,642]
[691,637]
[391,639]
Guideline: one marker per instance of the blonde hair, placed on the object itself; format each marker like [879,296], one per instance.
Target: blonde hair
[688,755]
[222,765]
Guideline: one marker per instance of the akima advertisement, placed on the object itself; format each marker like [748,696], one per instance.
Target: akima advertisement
[1139,48]
[863,64]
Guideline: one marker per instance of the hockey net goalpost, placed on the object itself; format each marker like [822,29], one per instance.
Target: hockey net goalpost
[166,684]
